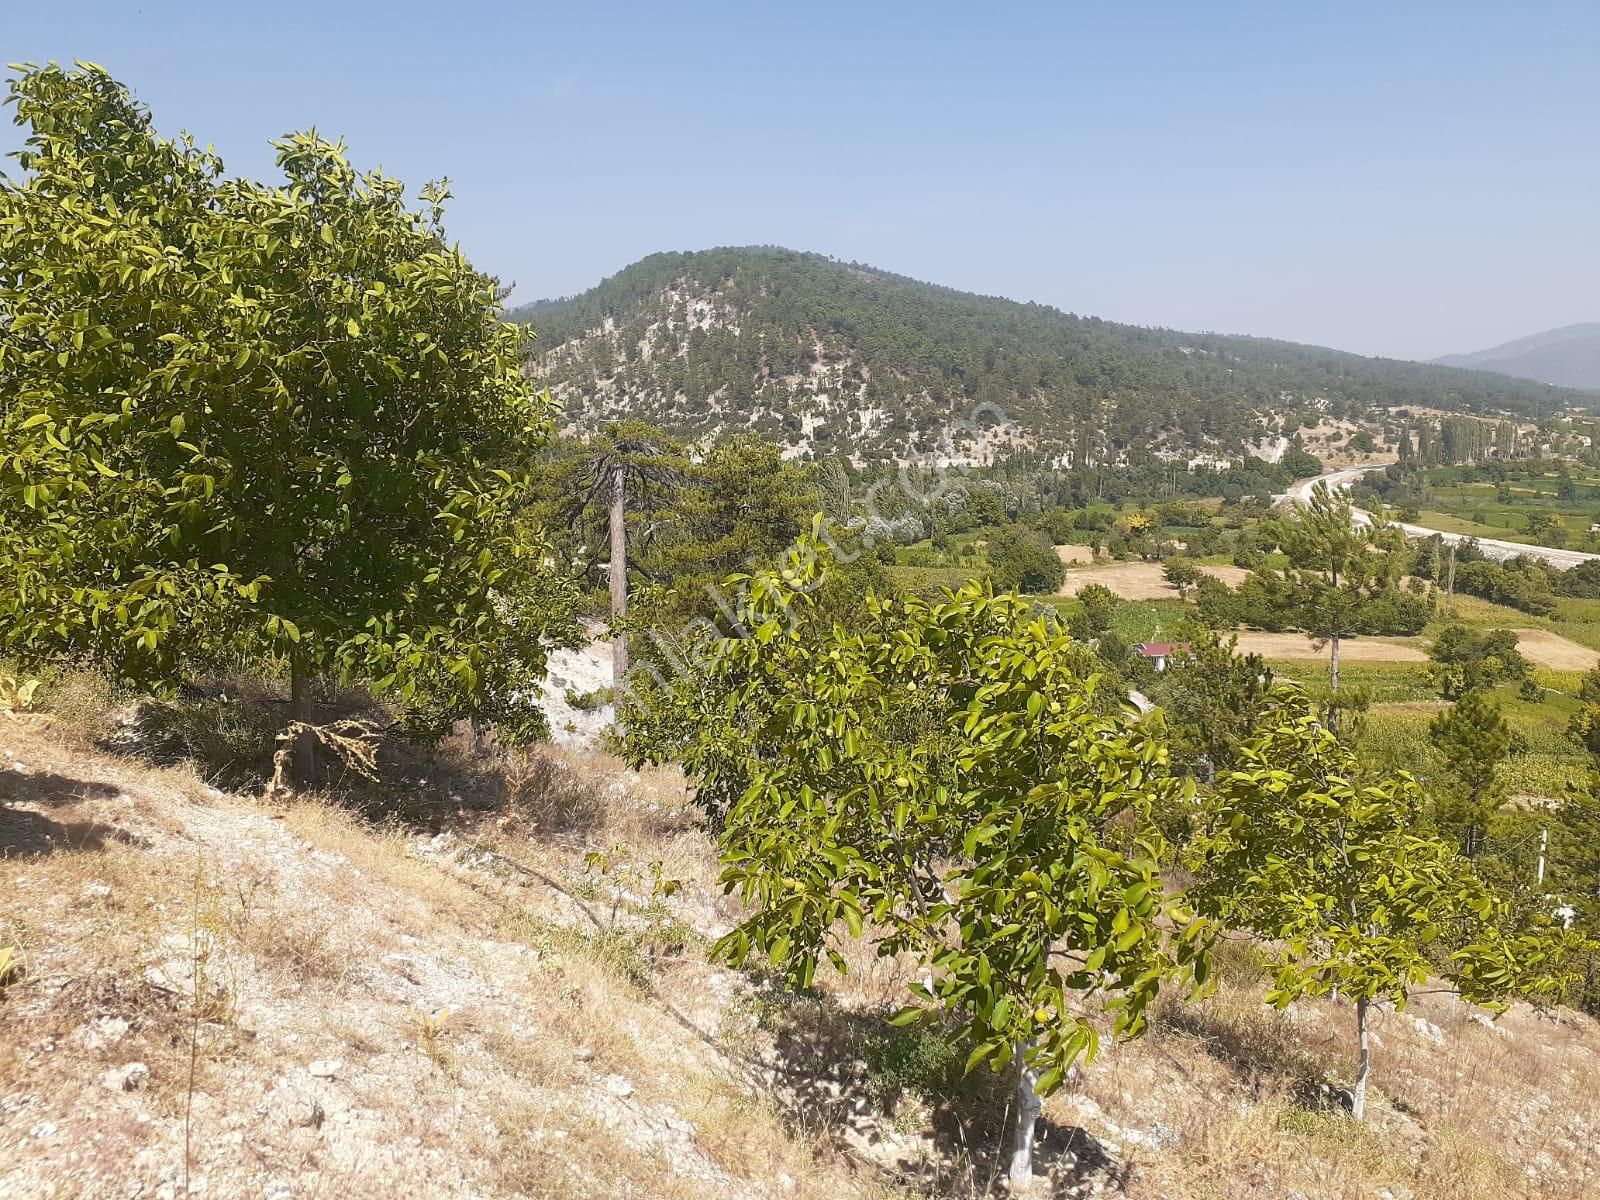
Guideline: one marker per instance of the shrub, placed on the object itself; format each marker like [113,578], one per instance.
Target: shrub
[549,794]
[1022,560]
[1464,659]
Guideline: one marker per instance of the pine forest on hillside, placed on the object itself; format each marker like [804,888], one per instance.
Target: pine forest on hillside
[840,358]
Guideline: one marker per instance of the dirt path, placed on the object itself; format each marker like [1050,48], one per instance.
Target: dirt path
[1138,580]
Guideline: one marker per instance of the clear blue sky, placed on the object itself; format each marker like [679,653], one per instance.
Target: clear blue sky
[1403,178]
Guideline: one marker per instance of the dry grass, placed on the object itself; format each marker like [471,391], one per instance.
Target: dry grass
[1139,580]
[462,1054]
[493,1030]
[1363,649]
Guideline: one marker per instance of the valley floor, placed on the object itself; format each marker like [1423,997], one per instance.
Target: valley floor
[225,997]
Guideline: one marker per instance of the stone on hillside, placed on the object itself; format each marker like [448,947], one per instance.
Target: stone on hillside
[128,1078]
[1427,1029]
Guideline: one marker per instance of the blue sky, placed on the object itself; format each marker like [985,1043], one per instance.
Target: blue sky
[1405,179]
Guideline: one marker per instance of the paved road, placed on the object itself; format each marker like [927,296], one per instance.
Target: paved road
[1561,560]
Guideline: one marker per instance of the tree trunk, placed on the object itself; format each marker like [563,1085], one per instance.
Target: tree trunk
[1358,1094]
[1028,1106]
[1333,683]
[304,756]
[619,579]
[1450,587]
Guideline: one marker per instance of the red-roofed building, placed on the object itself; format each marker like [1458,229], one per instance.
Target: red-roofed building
[1160,653]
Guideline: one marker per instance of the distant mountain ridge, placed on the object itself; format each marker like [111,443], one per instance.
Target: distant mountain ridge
[833,357]
[1566,357]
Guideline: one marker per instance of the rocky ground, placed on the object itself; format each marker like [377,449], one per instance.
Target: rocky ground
[228,998]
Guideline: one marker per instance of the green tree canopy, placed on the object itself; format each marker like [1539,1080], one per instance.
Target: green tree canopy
[1023,560]
[1212,698]
[1343,576]
[938,777]
[277,420]
[1464,658]
[1182,574]
[1097,608]
[1344,890]
[1473,739]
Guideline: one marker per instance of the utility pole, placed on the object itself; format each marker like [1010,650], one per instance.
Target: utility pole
[619,578]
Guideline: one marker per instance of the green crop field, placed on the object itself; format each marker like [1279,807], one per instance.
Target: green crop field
[1456,501]
[1382,683]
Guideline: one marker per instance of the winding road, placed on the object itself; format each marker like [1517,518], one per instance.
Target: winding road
[1561,560]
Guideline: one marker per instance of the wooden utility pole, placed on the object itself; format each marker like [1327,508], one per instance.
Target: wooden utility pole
[619,578]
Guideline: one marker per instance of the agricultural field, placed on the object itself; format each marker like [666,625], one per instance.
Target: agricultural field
[1576,620]
[1351,650]
[1139,580]
[1466,500]
[1385,683]
[1137,620]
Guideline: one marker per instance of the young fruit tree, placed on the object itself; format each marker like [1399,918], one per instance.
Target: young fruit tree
[279,422]
[1334,877]
[1342,576]
[942,779]
[1182,574]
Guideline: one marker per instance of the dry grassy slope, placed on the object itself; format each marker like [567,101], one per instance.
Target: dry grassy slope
[372,1013]
[379,1019]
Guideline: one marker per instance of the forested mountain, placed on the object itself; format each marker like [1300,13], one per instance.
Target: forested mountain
[1567,357]
[829,356]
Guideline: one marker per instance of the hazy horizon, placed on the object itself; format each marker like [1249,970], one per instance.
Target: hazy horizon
[1409,184]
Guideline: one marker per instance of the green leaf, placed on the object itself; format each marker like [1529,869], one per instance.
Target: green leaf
[983,1051]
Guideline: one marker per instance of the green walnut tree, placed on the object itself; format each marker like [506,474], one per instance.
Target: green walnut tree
[939,778]
[1345,892]
[236,418]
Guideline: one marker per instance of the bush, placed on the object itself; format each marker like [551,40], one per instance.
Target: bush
[1022,560]
[1216,603]
[1465,659]
[549,794]
[229,727]
[589,701]
[1394,614]
[925,1061]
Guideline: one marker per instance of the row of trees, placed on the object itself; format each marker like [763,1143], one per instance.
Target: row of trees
[1460,439]
[948,778]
